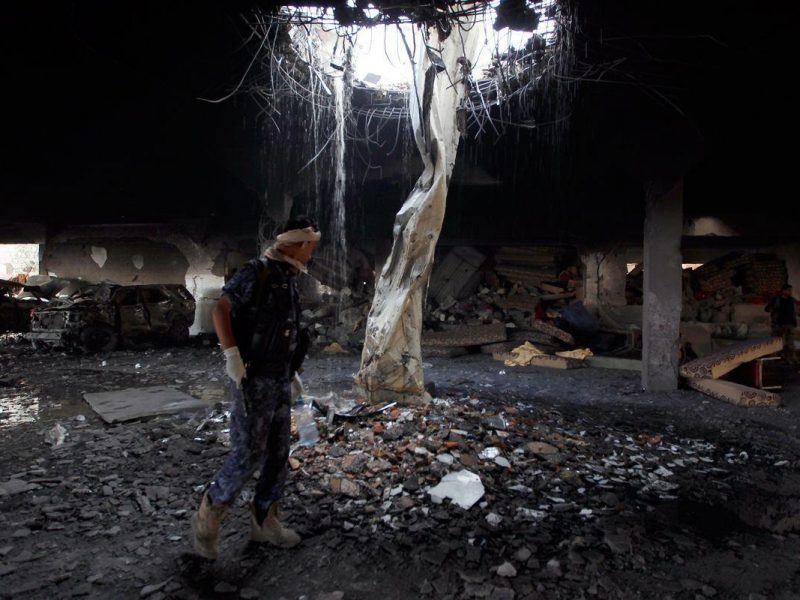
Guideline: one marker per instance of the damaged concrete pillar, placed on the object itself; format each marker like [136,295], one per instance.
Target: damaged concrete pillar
[604,275]
[663,227]
[391,362]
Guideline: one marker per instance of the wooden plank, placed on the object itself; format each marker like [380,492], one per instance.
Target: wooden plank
[551,289]
[726,360]
[735,393]
[443,351]
[544,360]
[553,331]
[137,403]
[561,296]
[556,362]
[478,335]
[518,302]
[611,362]
[499,347]
[534,337]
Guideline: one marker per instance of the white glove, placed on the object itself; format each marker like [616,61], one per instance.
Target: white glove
[297,388]
[234,366]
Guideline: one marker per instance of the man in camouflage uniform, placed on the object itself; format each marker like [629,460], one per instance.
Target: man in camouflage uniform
[257,322]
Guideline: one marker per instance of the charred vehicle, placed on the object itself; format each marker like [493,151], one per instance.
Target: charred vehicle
[15,309]
[102,317]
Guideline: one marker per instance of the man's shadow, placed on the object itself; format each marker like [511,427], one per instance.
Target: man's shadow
[232,567]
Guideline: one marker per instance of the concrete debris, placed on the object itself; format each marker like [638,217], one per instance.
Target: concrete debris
[457,275]
[588,499]
[725,295]
[55,436]
[149,590]
[489,453]
[16,486]
[463,487]
[136,403]
[506,570]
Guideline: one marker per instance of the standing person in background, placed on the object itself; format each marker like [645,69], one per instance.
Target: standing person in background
[257,320]
[784,321]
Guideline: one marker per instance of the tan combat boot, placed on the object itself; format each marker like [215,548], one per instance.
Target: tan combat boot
[272,530]
[205,528]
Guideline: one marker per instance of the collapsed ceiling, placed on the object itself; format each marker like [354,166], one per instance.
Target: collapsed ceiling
[657,89]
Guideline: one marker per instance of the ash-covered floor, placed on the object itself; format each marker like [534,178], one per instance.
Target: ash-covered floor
[593,489]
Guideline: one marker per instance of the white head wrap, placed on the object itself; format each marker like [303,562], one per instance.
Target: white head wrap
[289,238]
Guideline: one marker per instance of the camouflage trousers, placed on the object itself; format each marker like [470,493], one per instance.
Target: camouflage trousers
[260,439]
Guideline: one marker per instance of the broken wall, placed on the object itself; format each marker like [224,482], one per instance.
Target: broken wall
[604,276]
[138,255]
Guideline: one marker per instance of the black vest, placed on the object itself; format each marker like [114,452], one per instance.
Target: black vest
[266,329]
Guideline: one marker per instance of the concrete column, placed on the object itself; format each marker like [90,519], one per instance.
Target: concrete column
[663,226]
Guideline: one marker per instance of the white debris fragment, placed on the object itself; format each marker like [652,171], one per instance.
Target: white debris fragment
[506,570]
[489,453]
[55,436]
[446,459]
[503,462]
[530,513]
[493,519]
[463,487]
[522,489]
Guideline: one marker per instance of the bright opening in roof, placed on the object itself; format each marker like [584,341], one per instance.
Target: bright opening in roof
[381,58]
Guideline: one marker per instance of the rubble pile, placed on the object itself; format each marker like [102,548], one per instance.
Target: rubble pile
[468,497]
[524,290]
[524,502]
[727,293]
[529,266]
[466,290]
[339,322]
[764,277]
[520,501]
[731,292]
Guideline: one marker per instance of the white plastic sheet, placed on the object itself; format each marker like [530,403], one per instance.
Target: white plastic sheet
[462,487]
[391,362]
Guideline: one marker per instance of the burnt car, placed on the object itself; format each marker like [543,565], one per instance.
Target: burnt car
[16,306]
[101,317]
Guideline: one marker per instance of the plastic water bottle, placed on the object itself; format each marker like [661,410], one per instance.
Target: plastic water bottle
[306,425]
